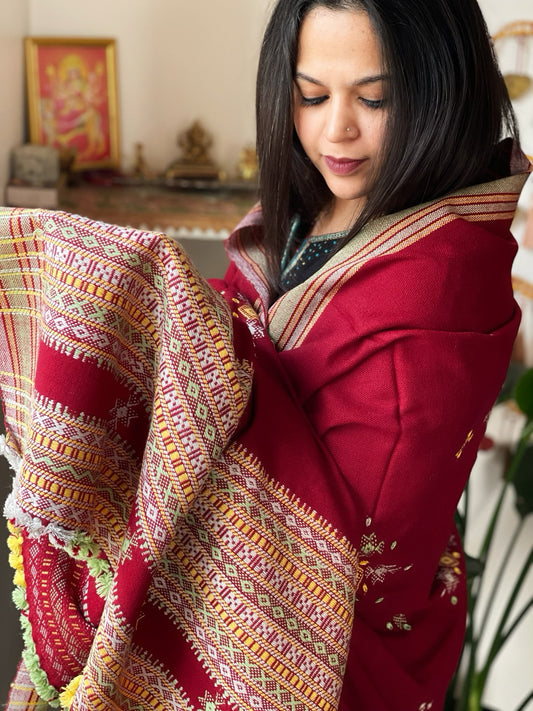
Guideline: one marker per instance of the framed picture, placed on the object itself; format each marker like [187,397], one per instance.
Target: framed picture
[72,99]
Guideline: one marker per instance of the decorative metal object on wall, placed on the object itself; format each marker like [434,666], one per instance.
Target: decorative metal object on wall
[520,80]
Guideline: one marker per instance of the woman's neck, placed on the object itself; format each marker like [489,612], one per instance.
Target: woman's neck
[338,216]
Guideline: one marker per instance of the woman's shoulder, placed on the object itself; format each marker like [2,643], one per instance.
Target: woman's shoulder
[445,265]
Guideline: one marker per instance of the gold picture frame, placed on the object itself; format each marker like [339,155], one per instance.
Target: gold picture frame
[71,88]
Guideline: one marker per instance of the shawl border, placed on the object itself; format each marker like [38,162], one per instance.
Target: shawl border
[295,313]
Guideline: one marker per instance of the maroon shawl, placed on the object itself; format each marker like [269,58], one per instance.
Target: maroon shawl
[224,503]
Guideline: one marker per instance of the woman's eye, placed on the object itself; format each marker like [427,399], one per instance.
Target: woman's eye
[374,103]
[312,100]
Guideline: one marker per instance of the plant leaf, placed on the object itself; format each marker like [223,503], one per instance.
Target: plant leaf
[523,483]
[514,373]
[474,566]
[460,523]
[523,393]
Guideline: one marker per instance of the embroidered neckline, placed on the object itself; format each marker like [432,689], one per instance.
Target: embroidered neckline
[300,260]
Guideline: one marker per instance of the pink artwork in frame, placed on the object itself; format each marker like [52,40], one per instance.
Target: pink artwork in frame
[72,98]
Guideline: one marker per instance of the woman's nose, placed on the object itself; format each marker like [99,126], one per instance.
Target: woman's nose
[341,124]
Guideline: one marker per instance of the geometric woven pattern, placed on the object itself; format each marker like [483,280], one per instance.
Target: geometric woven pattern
[275,573]
[121,386]
[125,377]
[208,516]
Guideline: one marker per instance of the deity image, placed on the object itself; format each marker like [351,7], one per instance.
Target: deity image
[74,105]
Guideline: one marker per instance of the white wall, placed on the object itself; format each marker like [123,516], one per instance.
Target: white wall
[14,25]
[177,62]
[512,54]
[512,676]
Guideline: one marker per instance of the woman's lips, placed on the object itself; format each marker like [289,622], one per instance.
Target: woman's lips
[342,166]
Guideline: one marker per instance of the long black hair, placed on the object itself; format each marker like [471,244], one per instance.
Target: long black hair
[448,108]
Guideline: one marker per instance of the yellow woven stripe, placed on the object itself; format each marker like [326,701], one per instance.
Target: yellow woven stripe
[293,569]
[247,640]
[317,568]
[19,299]
[262,651]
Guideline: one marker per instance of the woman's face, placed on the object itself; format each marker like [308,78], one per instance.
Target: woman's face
[339,97]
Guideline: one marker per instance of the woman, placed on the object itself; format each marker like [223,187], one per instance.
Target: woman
[256,507]
[447,108]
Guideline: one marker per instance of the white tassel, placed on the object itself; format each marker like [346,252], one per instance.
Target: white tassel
[14,459]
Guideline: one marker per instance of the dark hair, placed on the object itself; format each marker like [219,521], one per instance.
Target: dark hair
[448,109]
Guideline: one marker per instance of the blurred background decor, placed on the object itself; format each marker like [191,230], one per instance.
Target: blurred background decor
[35,177]
[519,80]
[196,162]
[499,599]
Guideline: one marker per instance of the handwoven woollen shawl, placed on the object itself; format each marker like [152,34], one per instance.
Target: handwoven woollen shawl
[396,350]
[158,564]
[235,581]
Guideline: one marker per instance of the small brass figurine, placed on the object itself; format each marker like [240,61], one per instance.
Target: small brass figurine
[196,162]
[247,167]
[140,168]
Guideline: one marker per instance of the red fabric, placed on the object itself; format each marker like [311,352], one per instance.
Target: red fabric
[305,560]
[126,379]
[397,377]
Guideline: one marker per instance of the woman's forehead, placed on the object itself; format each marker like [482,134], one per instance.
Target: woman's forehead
[340,43]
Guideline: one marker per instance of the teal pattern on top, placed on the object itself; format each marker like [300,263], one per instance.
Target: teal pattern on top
[303,256]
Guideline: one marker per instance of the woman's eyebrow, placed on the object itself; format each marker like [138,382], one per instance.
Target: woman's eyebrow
[371,79]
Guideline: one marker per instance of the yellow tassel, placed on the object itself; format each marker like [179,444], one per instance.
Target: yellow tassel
[12,528]
[18,579]
[66,697]
[14,543]
[15,560]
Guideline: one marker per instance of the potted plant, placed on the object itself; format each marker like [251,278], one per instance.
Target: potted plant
[467,688]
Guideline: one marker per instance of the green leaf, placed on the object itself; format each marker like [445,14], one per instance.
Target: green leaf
[460,523]
[523,393]
[514,373]
[523,483]
[474,566]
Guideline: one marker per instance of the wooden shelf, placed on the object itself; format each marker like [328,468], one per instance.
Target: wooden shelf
[183,205]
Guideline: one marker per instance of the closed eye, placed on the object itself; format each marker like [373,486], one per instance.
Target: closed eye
[374,103]
[312,100]
[317,100]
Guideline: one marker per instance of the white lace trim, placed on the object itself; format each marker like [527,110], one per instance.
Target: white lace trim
[14,459]
[35,528]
